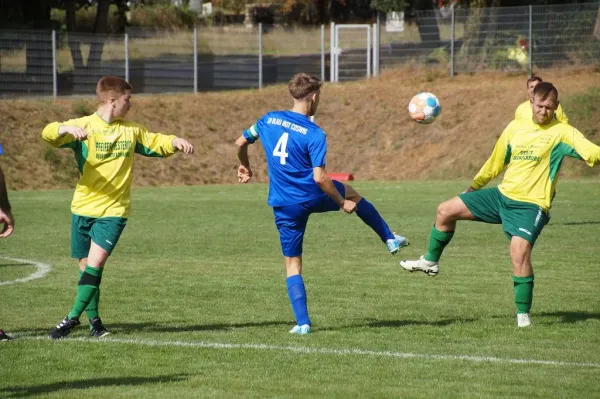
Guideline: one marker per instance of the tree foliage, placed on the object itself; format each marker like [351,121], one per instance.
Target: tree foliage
[389,5]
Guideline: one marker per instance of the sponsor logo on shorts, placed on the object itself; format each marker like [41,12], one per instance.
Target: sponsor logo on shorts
[525,231]
[109,242]
[538,217]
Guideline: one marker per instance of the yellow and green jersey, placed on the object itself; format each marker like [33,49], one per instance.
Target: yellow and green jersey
[525,112]
[105,160]
[532,155]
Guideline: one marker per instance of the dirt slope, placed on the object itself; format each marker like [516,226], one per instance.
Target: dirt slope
[368,128]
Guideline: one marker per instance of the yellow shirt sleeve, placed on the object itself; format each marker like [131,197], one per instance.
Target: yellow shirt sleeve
[588,151]
[154,144]
[561,115]
[523,111]
[50,132]
[496,162]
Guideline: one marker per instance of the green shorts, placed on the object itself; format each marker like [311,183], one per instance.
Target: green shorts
[105,232]
[518,218]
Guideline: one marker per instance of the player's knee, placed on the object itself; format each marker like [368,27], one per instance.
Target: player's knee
[444,212]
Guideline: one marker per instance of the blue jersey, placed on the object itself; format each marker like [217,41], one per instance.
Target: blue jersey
[293,145]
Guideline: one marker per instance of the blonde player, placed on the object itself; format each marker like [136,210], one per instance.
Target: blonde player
[532,152]
[524,112]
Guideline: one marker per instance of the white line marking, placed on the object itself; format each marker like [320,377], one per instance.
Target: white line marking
[327,351]
[42,270]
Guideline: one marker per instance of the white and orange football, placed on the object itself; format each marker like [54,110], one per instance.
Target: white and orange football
[424,107]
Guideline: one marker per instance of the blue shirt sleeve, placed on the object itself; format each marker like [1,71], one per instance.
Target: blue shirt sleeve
[317,150]
[252,134]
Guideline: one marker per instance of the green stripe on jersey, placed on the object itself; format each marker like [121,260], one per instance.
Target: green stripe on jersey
[560,151]
[145,151]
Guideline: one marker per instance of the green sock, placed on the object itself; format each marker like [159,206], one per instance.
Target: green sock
[437,242]
[86,290]
[523,293]
[92,309]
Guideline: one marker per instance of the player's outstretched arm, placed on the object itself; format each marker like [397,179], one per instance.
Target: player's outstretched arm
[183,145]
[244,171]
[583,148]
[496,162]
[58,134]
[78,133]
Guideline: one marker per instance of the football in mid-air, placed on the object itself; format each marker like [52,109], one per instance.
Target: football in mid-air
[424,107]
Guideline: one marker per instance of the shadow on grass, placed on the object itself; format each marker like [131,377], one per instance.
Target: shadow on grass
[158,327]
[26,391]
[570,317]
[191,328]
[576,223]
[15,264]
[399,324]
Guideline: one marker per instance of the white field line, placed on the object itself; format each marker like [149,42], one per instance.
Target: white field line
[42,270]
[326,351]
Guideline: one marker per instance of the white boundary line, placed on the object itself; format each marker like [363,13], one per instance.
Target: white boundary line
[42,270]
[328,351]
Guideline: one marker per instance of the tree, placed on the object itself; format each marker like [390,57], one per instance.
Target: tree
[35,14]
[389,6]
[100,27]
[426,22]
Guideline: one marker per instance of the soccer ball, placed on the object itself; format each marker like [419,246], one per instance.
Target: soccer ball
[424,107]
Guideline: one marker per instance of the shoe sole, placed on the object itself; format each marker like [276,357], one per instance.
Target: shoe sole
[429,272]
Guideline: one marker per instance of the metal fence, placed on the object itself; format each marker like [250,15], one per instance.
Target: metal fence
[52,63]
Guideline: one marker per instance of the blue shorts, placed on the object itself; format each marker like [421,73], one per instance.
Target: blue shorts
[291,220]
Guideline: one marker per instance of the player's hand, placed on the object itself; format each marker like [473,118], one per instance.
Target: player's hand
[78,133]
[7,219]
[348,206]
[468,190]
[244,174]
[183,145]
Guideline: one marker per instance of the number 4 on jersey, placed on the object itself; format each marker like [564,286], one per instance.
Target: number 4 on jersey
[279,150]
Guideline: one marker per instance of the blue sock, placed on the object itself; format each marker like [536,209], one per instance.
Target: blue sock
[297,295]
[367,212]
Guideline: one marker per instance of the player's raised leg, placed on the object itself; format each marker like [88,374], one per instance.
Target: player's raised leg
[448,213]
[371,217]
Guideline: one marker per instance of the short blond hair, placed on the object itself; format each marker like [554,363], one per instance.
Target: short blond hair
[303,85]
[111,86]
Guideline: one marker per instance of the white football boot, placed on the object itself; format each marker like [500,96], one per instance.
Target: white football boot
[421,265]
[523,319]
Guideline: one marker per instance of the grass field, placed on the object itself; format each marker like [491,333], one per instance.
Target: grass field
[196,299]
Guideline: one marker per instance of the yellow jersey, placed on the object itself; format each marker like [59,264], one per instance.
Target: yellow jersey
[105,160]
[532,155]
[525,112]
